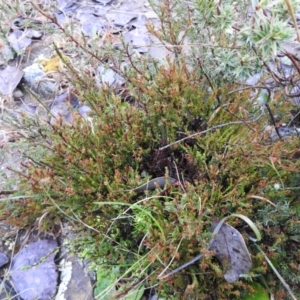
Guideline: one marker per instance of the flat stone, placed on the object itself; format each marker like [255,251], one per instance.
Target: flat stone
[7,292]
[33,271]
[3,259]
[75,282]
[35,78]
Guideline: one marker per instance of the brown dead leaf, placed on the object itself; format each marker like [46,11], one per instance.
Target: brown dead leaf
[230,249]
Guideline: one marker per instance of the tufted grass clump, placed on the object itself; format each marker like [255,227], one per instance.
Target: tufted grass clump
[169,119]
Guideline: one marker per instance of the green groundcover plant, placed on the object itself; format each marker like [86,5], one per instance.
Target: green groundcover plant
[191,118]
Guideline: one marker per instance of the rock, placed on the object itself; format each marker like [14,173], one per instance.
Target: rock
[109,77]
[120,18]
[17,94]
[64,105]
[75,282]
[254,79]
[37,81]
[84,111]
[295,92]
[7,291]
[138,39]
[284,131]
[3,259]
[8,53]
[91,24]
[33,271]
[104,2]
[18,41]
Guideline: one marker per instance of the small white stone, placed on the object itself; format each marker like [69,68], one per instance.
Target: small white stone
[276,186]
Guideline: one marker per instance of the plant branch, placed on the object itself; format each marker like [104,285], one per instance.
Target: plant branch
[210,129]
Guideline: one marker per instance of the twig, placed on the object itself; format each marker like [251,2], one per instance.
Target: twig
[210,129]
[295,95]
[132,63]
[7,192]
[206,76]
[233,114]
[179,179]
[293,59]
[179,268]
[276,78]
[248,87]
[273,120]
[199,256]
[267,105]
[262,198]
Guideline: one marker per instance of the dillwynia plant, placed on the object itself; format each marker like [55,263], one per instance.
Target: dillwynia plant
[181,119]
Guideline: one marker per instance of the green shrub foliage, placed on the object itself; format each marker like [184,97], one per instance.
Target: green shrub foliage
[185,118]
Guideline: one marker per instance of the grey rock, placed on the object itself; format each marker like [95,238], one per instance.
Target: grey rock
[284,131]
[64,105]
[7,292]
[65,6]
[8,53]
[27,110]
[295,91]
[34,34]
[109,77]
[139,39]
[18,93]
[18,41]
[253,80]
[104,1]
[35,78]
[33,271]
[3,259]
[75,282]
[84,111]
[91,24]
[121,18]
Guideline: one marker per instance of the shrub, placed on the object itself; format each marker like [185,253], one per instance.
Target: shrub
[186,118]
